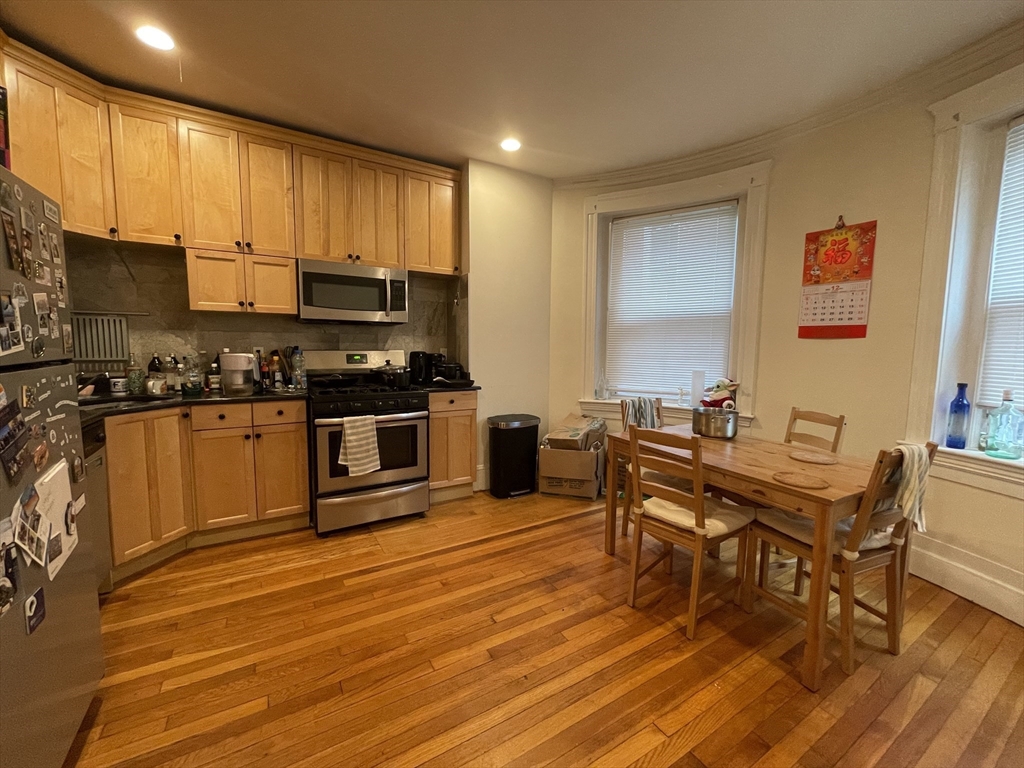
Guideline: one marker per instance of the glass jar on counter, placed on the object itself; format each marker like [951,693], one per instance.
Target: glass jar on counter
[136,377]
[192,378]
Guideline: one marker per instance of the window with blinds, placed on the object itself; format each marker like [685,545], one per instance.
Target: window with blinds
[671,279]
[1003,359]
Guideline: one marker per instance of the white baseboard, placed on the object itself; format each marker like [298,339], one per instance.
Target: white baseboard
[987,583]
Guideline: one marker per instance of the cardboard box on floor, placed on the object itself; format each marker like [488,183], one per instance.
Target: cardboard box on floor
[576,433]
[572,473]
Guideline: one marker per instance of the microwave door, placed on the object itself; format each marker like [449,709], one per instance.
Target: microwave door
[350,293]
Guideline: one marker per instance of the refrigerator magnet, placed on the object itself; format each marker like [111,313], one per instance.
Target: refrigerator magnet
[35,611]
[44,242]
[11,236]
[20,294]
[43,274]
[6,197]
[69,339]
[54,248]
[51,211]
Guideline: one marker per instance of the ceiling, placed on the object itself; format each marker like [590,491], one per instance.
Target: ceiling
[586,86]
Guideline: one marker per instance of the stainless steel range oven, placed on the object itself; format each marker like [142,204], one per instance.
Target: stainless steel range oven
[341,384]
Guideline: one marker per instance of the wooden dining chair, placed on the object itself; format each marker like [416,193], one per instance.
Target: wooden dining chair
[838,424]
[691,520]
[627,494]
[877,536]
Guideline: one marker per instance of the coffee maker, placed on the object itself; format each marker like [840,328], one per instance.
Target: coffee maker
[421,368]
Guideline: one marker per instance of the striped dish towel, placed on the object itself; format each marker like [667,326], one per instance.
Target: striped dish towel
[913,481]
[359,445]
[641,411]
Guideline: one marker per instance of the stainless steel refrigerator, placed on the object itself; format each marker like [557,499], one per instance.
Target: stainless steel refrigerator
[51,655]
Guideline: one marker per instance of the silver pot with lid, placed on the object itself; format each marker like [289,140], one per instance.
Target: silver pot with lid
[715,422]
[395,376]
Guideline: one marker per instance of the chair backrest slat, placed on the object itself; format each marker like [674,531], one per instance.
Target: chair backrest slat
[815,417]
[656,450]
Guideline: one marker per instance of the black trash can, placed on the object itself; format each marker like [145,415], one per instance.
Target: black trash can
[513,440]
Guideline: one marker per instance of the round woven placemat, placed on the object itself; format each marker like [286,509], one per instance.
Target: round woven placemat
[800,480]
[810,457]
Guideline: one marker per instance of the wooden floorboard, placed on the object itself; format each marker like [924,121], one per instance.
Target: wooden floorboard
[496,633]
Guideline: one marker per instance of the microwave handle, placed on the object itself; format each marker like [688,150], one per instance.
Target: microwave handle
[387,293]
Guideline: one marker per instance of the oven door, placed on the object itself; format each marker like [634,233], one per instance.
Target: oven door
[352,293]
[401,443]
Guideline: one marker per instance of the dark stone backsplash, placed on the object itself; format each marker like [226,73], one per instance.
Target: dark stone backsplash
[127,277]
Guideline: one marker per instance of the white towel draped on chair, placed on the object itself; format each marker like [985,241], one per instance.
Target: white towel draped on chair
[359,445]
[641,411]
[913,481]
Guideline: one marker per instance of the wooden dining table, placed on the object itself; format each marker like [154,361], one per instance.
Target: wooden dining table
[746,466]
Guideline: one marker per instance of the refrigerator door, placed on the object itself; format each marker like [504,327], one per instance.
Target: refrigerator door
[36,314]
[48,677]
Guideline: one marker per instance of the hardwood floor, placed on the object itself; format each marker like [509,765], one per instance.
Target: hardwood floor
[496,633]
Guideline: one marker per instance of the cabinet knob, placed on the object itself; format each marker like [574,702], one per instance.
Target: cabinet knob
[451,402]
[184,415]
[258,435]
[351,256]
[177,236]
[238,243]
[251,304]
[280,413]
[248,244]
[113,230]
[221,416]
[241,303]
[248,437]
[357,257]
[456,269]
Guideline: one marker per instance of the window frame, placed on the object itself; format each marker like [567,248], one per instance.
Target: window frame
[749,186]
[970,144]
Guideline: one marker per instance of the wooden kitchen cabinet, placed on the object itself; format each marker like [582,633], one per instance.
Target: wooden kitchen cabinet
[221,281]
[430,237]
[147,180]
[282,473]
[268,212]
[225,477]
[452,439]
[211,192]
[378,217]
[323,205]
[60,144]
[149,481]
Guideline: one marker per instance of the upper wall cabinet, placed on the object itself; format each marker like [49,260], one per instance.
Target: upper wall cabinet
[146,176]
[268,212]
[60,144]
[323,205]
[430,206]
[211,192]
[378,215]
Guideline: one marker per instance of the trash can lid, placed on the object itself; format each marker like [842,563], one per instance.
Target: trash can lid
[513,420]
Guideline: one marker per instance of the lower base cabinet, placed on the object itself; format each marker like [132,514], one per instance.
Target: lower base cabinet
[452,439]
[225,471]
[282,474]
[149,481]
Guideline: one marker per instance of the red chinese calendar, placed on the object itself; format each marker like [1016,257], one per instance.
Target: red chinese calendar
[837,282]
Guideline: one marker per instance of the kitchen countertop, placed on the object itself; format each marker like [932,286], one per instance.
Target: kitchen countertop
[473,388]
[91,412]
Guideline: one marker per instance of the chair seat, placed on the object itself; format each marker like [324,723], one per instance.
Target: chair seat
[719,518]
[668,480]
[802,529]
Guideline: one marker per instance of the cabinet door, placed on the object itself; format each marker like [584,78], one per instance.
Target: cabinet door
[379,239]
[268,211]
[452,448]
[170,473]
[131,512]
[146,177]
[282,476]
[340,245]
[430,206]
[211,195]
[35,147]
[270,285]
[438,451]
[311,237]
[216,280]
[87,169]
[225,478]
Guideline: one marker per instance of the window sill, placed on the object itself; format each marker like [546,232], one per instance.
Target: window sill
[674,414]
[975,468]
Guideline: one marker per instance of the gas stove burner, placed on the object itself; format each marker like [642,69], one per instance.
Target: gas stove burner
[338,385]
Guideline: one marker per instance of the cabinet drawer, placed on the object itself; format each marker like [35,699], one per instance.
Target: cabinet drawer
[226,416]
[279,412]
[453,401]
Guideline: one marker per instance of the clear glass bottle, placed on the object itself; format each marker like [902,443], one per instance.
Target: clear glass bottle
[959,419]
[1005,430]
[192,378]
[170,372]
[135,375]
[298,369]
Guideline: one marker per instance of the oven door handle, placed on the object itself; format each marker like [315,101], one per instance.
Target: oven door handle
[379,419]
[387,493]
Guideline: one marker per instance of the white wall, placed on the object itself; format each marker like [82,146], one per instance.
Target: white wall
[509,243]
[873,165]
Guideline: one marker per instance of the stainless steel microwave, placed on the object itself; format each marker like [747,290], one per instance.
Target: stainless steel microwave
[352,293]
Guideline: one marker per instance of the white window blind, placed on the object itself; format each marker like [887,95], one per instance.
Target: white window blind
[670,299]
[1003,359]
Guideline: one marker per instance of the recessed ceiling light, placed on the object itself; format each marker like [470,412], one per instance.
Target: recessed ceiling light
[510,145]
[155,37]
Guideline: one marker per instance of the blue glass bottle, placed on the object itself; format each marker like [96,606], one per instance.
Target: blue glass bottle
[959,417]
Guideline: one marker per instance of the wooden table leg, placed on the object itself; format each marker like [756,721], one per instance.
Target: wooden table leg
[611,497]
[817,605]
